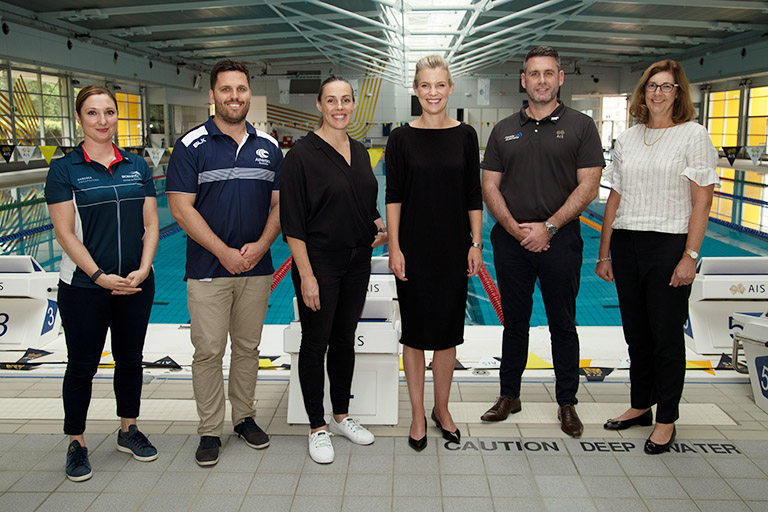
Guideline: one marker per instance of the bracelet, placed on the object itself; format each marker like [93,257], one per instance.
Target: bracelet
[478,245]
[96,275]
[600,260]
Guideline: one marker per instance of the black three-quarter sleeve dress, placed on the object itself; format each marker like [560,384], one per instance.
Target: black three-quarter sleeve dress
[435,175]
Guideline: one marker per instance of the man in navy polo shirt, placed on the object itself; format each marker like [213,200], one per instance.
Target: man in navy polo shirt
[541,168]
[223,189]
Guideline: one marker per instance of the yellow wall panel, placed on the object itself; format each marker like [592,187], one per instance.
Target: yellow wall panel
[732,108]
[758,106]
[756,125]
[750,214]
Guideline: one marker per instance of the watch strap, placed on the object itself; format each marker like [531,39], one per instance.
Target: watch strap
[96,275]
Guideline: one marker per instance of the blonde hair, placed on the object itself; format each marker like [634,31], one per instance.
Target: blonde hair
[431,62]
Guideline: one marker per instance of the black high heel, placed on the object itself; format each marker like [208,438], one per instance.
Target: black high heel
[652,448]
[418,444]
[452,437]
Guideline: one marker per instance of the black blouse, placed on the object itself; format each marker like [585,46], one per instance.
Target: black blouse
[324,201]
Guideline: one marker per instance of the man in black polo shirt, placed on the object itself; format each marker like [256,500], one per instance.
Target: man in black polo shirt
[541,168]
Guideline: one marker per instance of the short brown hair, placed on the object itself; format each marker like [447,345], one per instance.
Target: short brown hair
[682,111]
[542,51]
[92,90]
[229,65]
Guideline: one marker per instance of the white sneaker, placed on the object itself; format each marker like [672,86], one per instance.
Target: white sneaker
[352,430]
[320,447]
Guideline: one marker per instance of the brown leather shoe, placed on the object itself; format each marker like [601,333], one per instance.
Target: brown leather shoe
[569,421]
[504,406]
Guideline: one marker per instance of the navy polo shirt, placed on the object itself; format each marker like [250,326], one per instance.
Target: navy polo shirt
[539,159]
[109,210]
[233,185]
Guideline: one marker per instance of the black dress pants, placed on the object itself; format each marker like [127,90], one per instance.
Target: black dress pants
[342,276]
[558,269]
[653,315]
[86,314]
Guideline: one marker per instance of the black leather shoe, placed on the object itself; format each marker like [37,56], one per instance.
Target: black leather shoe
[652,448]
[644,420]
[452,437]
[418,444]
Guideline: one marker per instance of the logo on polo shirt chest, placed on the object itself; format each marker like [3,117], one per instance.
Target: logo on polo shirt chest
[560,134]
[198,142]
[262,156]
[135,175]
[513,137]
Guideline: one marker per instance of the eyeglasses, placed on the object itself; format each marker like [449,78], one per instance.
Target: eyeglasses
[665,87]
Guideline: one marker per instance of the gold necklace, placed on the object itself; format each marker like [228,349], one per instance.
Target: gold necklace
[657,140]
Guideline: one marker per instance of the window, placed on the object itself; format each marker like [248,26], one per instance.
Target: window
[35,110]
[757,116]
[723,119]
[722,207]
[129,123]
[614,121]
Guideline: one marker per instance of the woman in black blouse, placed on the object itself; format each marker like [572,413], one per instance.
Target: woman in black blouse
[329,219]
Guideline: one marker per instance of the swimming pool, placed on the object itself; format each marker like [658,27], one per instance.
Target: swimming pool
[25,229]
[597,304]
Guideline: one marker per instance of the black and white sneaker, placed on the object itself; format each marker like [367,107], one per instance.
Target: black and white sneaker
[137,444]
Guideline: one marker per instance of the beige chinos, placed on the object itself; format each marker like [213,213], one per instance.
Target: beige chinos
[234,305]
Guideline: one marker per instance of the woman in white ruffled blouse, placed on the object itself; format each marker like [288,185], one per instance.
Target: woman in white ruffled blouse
[662,182]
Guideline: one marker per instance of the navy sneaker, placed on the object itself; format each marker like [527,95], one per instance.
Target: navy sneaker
[136,443]
[252,434]
[78,468]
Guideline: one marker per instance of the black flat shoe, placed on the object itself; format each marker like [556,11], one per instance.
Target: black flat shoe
[652,448]
[645,420]
[453,437]
[418,444]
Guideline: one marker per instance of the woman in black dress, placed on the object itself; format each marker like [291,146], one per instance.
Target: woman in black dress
[329,219]
[434,219]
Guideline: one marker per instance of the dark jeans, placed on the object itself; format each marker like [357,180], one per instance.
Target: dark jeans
[342,277]
[86,314]
[653,316]
[558,270]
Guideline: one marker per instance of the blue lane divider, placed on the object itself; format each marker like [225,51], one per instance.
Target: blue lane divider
[26,232]
[172,230]
[742,198]
[742,229]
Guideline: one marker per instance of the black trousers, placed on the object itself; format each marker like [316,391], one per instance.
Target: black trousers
[653,315]
[86,314]
[558,270]
[342,277]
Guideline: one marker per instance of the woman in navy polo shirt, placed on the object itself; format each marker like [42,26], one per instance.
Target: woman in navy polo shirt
[104,212]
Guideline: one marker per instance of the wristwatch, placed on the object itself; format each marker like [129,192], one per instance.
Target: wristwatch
[478,245]
[551,228]
[690,252]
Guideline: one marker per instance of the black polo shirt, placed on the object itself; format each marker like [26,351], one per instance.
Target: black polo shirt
[539,159]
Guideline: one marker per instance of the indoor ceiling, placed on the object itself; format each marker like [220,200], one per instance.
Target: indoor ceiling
[387,36]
